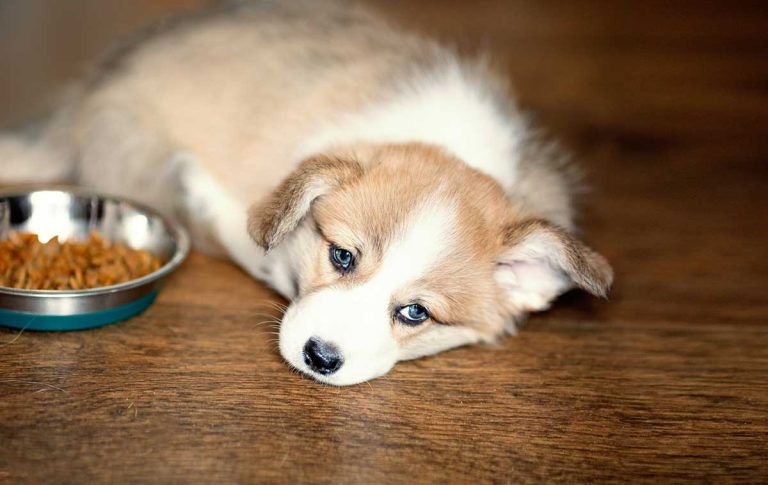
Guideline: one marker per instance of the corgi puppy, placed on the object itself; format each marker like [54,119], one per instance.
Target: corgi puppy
[387,187]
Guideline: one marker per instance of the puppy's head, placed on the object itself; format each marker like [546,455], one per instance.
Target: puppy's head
[404,252]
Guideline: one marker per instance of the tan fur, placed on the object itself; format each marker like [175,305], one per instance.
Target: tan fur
[460,289]
[373,191]
[588,270]
[281,213]
[365,212]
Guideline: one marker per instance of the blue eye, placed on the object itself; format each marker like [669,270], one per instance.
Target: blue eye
[341,259]
[412,314]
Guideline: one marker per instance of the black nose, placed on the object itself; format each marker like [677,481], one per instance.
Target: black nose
[322,357]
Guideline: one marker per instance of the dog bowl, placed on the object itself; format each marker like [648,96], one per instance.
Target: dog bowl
[74,213]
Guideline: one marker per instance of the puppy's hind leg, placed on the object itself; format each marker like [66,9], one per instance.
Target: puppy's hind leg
[122,152]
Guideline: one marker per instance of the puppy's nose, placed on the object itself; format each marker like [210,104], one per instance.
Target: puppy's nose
[322,357]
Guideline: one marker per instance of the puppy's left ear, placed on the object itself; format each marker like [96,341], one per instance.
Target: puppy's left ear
[270,221]
[542,260]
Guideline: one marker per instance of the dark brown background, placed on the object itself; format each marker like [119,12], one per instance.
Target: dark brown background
[665,103]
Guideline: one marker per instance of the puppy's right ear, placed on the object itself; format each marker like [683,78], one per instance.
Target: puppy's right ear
[541,261]
[270,221]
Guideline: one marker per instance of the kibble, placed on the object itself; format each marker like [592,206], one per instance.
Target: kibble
[27,263]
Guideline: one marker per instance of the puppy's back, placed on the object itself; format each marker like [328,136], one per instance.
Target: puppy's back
[246,84]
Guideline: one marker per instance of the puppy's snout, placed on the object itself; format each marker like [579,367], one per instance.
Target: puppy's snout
[322,357]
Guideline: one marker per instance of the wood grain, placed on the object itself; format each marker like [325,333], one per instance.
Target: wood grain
[666,104]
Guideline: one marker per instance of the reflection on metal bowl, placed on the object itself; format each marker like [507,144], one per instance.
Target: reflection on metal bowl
[74,213]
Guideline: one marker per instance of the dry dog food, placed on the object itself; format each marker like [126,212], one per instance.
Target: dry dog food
[27,263]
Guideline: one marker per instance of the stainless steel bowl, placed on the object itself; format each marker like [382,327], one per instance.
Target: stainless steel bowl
[74,213]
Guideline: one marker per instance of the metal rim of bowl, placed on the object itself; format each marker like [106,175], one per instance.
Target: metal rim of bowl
[181,238]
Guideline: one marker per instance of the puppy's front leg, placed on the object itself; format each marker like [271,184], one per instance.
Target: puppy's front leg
[218,224]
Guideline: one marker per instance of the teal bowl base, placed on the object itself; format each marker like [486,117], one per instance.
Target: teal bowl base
[59,323]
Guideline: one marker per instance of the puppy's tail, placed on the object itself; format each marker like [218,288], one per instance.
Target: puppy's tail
[37,153]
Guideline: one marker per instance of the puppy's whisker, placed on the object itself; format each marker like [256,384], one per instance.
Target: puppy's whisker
[267,319]
[269,306]
[281,307]
[268,326]
[275,306]
[267,315]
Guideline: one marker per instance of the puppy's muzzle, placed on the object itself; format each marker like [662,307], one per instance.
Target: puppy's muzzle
[322,357]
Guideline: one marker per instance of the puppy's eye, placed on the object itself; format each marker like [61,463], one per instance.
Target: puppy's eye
[412,314]
[342,259]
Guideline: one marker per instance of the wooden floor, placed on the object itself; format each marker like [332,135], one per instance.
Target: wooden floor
[666,104]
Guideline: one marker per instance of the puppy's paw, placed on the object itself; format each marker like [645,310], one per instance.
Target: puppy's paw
[196,189]
[197,196]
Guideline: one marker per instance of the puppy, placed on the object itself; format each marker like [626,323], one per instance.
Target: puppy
[388,188]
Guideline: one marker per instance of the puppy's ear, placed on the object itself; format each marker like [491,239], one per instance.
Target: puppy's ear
[541,261]
[270,221]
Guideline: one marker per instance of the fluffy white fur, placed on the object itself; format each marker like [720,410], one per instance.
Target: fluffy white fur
[448,107]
